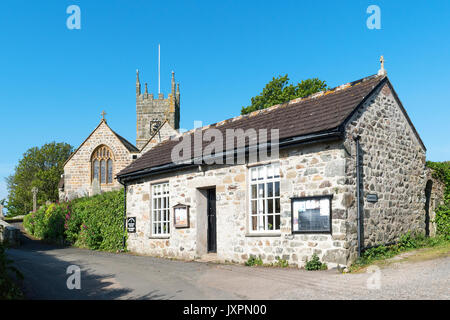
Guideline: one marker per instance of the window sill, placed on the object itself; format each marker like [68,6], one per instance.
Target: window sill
[163,237]
[262,234]
[311,232]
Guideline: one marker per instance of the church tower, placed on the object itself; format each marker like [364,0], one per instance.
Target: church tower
[151,113]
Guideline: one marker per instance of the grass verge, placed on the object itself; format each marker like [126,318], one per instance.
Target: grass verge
[425,248]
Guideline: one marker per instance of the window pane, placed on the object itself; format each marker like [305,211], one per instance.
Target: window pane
[96,169]
[103,171]
[110,171]
[261,172]
[253,174]
[270,190]
[277,222]
[270,206]
[277,189]
[313,215]
[254,207]
[270,172]
[261,223]
[254,223]
[261,190]
[277,205]
[270,224]
[276,170]
[254,195]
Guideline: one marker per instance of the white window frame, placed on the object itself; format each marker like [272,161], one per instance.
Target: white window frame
[160,209]
[264,175]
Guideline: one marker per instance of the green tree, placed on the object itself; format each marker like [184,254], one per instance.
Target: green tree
[41,168]
[279,91]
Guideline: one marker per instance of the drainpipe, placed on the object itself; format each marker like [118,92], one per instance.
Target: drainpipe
[358,194]
[124,212]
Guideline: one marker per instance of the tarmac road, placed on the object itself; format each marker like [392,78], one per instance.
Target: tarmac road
[126,276]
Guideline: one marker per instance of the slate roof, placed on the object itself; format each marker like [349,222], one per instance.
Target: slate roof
[321,112]
[130,147]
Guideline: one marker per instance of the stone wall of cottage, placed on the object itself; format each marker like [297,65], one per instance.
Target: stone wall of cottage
[316,169]
[77,171]
[393,162]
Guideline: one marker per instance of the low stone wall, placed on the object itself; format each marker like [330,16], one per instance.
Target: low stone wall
[9,234]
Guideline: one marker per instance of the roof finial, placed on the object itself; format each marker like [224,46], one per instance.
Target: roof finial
[382,71]
[173,83]
[138,83]
[103,115]
[146,89]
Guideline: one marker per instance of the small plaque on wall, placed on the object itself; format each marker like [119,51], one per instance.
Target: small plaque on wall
[181,216]
[371,197]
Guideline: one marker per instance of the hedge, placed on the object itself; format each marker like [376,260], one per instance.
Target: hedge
[442,219]
[9,290]
[91,222]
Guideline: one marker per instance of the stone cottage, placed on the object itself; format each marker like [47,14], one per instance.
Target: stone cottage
[93,166]
[312,197]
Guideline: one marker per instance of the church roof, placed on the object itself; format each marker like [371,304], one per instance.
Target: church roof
[323,112]
[130,147]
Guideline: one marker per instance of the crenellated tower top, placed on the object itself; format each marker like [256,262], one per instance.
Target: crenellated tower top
[150,111]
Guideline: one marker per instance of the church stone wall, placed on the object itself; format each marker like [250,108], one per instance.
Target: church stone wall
[77,171]
[393,164]
[305,171]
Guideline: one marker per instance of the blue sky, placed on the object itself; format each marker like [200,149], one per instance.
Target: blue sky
[54,82]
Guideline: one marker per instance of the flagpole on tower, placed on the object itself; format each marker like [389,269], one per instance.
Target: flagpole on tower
[159,69]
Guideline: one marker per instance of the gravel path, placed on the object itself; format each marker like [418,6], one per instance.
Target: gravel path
[126,276]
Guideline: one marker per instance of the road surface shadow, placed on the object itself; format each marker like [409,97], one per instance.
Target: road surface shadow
[46,277]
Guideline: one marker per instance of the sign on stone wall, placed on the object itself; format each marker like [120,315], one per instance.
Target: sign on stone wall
[181,216]
[131,224]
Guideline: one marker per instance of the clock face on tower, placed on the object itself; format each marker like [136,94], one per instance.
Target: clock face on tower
[154,126]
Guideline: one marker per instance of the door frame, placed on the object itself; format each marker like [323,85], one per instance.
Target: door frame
[211,247]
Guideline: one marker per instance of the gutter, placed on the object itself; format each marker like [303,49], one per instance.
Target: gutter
[330,135]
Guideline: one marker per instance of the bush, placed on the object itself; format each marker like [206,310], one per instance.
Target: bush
[283,263]
[91,222]
[254,261]
[442,219]
[315,264]
[8,289]
[46,223]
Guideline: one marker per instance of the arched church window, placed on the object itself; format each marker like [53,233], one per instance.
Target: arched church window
[102,165]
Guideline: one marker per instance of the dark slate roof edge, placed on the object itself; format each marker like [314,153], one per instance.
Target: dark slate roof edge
[332,134]
[126,143]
